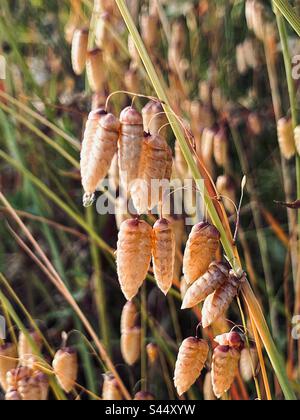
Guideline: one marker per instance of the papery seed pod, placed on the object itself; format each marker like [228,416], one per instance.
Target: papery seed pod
[152,352]
[130,146]
[163,252]
[217,303]
[154,118]
[215,277]
[121,211]
[231,339]
[29,389]
[103,149]
[146,192]
[286,138]
[27,354]
[12,395]
[132,80]
[297,138]
[224,368]
[65,365]
[131,345]
[79,50]
[221,148]
[90,131]
[110,390]
[200,251]
[129,316]
[208,391]
[133,255]
[248,362]
[144,396]
[149,30]
[226,189]
[16,375]
[190,362]
[95,69]
[169,164]
[8,361]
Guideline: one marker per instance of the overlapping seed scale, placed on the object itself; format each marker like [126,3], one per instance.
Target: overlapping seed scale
[224,369]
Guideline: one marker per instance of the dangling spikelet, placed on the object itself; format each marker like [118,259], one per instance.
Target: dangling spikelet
[90,131]
[130,146]
[226,188]
[133,255]
[110,390]
[248,362]
[144,396]
[152,169]
[129,316]
[149,31]
[208,391]
[231,339]
[297,138]
[95,69]
[79,50]
[207,145]
[103,149]
[27,355]
[217,303]
[152,352]
[8,361]
[131,345]
[221,148]
[190,362]
[286,138]
[215,277]
[200,251]
[163,252]
[154,118]
[65,365]
[224,368]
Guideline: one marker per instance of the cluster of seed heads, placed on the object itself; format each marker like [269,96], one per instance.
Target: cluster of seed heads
[22,376]
[193,355]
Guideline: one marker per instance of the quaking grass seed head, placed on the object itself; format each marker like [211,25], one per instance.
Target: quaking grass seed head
[79,50]
[190,361]
[65,365]
[200,251]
